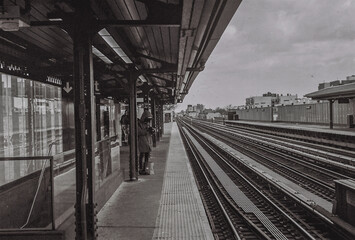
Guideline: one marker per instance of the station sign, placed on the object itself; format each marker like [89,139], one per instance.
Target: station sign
[14,69]
[54,80]
[67,88]
[97,88]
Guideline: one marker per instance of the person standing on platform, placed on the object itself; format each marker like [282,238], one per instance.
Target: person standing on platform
[125,127]
[144,143]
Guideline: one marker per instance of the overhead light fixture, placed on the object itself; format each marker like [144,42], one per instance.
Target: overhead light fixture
[101,55]
[114,45]
[55,19]
[142,78]
[11,19]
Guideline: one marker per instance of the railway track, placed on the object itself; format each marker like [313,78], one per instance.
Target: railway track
[303,168]
[323,138]
[343,157]
[312,147]
[255,207]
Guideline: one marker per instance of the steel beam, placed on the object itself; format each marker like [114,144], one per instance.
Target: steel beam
[164,63]
[133,136]
[85,126]
[161,78]
[108,23]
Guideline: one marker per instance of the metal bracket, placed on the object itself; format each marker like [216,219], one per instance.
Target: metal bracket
[187,32]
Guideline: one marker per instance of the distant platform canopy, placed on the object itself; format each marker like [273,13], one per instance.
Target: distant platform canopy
[345,91]
[166,41]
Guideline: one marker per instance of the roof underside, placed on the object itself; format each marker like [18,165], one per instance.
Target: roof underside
[169,41]
[333,93]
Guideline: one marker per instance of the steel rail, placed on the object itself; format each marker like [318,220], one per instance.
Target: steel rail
[308,164]
[231,203]
[344,157]
[282,189]
[298,226]
[323,190]
[193,151]
[313,146]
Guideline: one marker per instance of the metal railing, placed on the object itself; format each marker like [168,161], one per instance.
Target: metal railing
[25,193]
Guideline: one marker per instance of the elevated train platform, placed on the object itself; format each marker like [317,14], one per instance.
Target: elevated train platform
[69,72]
[166,205]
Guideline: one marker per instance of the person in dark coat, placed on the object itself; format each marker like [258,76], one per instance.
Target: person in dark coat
[144,146]
[125,127]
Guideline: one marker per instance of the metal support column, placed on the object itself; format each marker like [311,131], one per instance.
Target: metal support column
[157,120]
[154,121]
[84,110]
[133,136]
[331,114]
[161,117]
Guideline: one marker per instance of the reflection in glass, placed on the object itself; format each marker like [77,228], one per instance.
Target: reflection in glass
[30,120]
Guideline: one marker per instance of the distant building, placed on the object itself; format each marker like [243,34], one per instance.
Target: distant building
[208,110]
[305,100]
[349,79]
[287,100]
[297,101]
[202,115]
[195,108]
[200,108]
[266,100]
[213,115]
[269,94]
[270,99]
[193,114]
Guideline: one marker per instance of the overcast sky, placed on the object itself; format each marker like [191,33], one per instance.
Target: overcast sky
[281,46]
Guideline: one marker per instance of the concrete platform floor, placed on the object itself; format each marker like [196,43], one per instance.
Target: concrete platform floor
[165,205]
[131,211]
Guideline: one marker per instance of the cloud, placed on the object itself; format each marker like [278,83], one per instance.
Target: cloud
[282,46]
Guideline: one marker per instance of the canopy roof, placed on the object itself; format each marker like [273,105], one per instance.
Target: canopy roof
[335,92]
[167,41]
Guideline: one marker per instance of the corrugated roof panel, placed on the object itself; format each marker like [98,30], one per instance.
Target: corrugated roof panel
[188,46]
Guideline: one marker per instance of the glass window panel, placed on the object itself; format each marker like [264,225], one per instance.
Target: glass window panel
[30,118]
[2,114]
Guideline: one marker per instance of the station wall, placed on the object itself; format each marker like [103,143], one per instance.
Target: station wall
[255,114]
[30,117]
[316,113]
[33,115]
